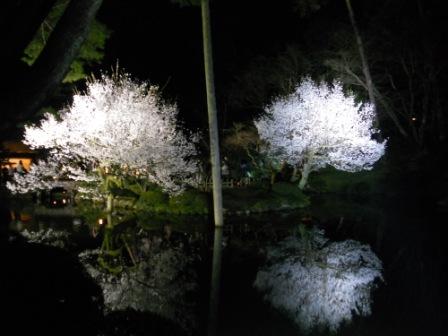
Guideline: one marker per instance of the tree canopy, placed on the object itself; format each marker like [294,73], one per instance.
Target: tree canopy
[319,125]
[96,133]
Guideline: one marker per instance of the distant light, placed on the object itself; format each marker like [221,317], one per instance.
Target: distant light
[54,202]
[101,221]
[64,201]
[414,119]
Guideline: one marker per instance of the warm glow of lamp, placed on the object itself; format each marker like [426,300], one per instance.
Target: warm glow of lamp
[26,162]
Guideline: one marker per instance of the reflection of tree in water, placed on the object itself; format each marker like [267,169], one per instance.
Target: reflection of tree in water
[142,274]
[319,283]
[49,237]
[151,272]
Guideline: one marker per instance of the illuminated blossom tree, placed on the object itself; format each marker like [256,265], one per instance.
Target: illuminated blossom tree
[53,172]
[118,127]
[318,125]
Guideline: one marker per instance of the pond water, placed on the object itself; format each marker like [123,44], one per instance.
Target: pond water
[219,297]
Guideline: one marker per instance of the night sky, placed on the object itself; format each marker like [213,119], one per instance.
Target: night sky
[162,42]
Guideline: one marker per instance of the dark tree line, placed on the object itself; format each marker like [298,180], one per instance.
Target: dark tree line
[407,66]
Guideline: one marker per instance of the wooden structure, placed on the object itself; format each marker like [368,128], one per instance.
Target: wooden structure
[12,152]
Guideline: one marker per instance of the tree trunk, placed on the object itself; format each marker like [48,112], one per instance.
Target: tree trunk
[109,221]
[54,62]
[212,114]
[294,174]
[109,209]
[109,203]
[273,174]
[22,20]
[305,173]
[365,64]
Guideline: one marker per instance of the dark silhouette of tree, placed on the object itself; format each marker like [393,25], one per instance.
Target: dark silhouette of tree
[25,89]
[20,19]
[362,55]
[406,63]
[91,52]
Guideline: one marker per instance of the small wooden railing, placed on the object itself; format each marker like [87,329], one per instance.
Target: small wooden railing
[207,184]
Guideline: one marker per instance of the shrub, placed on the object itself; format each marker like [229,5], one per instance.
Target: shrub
[290,195]
[189,202]
[154,200]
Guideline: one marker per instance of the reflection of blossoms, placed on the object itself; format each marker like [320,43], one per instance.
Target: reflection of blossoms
[163,282]
[317,283]
[49,237]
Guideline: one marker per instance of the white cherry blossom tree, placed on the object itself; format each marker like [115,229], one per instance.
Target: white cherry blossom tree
[319,125]
[50,173]
[121,127]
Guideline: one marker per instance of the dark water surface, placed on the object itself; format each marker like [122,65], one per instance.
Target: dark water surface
[406,233]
